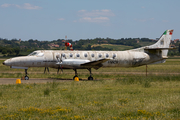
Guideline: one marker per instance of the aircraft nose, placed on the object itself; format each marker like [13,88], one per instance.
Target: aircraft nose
[6,62]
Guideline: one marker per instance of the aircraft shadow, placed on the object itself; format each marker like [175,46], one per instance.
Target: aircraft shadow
[80,79]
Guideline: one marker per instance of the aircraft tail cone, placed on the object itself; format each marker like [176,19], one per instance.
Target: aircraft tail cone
[18,81]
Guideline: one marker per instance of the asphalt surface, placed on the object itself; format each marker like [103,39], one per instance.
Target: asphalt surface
[5,81]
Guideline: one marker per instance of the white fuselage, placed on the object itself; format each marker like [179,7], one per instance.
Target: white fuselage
[74,59]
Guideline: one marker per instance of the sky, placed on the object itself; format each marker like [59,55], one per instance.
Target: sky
[88,19]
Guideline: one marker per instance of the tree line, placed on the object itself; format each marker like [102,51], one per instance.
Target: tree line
[17,47]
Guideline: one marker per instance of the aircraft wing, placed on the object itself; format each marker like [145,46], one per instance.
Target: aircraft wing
[96,63]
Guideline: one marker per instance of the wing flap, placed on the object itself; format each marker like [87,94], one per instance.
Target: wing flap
[95,63]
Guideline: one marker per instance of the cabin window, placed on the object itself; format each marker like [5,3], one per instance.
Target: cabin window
[114,55]
[100,55]
[107,55]
[63,55]
[92,55]
[77,55]
[85,55]
[71,55]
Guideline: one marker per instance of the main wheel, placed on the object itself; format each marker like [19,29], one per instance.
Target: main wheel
[90,78]
[74,77]
[26,78]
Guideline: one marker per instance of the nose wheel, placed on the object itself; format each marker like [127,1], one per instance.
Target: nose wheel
[26,77]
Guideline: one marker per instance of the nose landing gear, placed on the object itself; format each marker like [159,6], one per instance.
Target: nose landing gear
[26,77]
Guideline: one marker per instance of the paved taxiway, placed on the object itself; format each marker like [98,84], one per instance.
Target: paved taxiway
[5,81]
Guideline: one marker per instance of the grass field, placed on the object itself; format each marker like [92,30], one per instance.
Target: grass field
[117,93]
[114,47]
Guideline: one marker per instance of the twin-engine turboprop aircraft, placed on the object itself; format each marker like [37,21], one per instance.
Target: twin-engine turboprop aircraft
[65,59]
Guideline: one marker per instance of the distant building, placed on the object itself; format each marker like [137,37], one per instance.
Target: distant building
[63,41]
[176,40]
[172,46]
[53,45]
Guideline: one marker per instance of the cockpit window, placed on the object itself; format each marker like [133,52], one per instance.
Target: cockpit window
[39,54]
[33,54]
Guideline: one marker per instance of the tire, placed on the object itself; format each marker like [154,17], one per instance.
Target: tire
[26,78]
[90,78]
[74,77]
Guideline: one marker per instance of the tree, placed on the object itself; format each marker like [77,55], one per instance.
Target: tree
[16,50]
[4,51]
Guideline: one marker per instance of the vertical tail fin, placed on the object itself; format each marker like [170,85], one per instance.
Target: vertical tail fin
[163,42]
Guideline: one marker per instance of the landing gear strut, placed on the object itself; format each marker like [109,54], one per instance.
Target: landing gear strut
[76,75]
[90,77]
[26,77]
[45,70]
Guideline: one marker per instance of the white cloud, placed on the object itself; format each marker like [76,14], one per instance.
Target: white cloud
[142,7]
[95,16]
[61,19]
[165,21]
[27,6]
[5,5]
[94,19]
[95,13]
[144,20]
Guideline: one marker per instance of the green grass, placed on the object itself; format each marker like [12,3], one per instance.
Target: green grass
[127,98]
[116,93]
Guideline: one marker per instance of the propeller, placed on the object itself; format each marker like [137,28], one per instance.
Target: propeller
[59,58]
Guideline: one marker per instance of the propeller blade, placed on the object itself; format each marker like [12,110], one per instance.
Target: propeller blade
[61,68]
[58,71]
[44,70]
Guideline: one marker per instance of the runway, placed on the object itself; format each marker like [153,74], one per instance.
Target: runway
[5,81]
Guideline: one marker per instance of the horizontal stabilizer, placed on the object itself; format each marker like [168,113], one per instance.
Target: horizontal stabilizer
[171,48]
[95,63]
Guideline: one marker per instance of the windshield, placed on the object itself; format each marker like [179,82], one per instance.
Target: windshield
[33,54]
[38,54]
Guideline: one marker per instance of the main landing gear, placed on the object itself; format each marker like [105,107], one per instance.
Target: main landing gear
[26,77]
[76,75]
[90,77]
